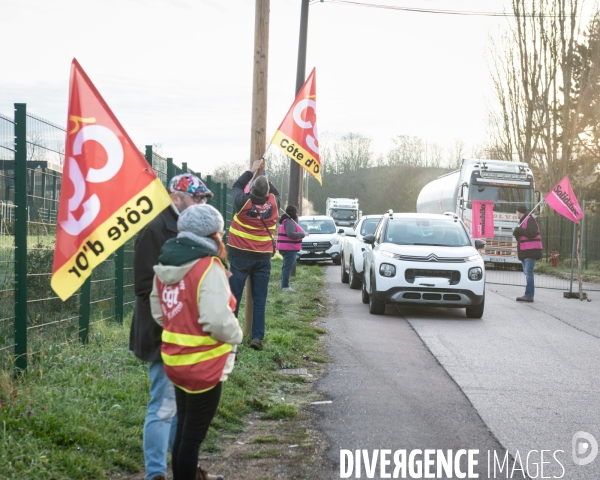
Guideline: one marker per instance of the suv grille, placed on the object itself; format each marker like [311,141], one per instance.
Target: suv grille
[429,258]
[452,275]
[311,246]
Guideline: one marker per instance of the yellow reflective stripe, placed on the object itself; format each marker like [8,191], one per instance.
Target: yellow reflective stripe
[236,219]
[258,238]
[196,391]
[197,357]
[186,340]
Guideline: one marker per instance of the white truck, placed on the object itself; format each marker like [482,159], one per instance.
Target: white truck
[508,184]
[344,211]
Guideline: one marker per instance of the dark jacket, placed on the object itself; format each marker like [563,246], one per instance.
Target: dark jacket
[290,227]
[239,200]
[145,336]
[530,232]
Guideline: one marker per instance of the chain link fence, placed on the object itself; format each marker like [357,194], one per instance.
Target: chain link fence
[31,315]
[563,250]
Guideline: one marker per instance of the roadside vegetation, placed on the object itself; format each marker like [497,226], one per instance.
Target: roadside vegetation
[79,412]
[590,274]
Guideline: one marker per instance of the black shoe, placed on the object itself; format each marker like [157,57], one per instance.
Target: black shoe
[256,344]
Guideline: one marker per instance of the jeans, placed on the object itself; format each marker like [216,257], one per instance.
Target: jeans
[289,259]
[195,411]
[161,421]
[528,265]
[259,272]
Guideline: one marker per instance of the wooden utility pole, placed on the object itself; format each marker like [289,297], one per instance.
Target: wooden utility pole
[259,109]
[295,190]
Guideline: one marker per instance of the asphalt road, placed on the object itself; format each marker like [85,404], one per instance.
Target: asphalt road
[525,378]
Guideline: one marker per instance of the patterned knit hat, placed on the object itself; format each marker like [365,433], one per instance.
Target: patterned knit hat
[188,183]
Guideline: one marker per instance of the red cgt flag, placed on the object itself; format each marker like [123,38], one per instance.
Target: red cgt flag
[297,134]
[108,193]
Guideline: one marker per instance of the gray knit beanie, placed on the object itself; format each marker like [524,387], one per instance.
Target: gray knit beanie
[201,220]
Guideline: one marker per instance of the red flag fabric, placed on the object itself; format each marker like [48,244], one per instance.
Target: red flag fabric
[483,219]
[297,134]
[563,200]
[109,192]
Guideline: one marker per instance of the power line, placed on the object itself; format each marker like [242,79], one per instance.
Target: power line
[434,10]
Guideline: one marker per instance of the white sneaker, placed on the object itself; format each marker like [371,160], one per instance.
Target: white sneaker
[288,289]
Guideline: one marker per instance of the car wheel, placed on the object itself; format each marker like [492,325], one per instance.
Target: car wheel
[353,276]
[476,311]
[344,276]
[365,295]
[376,307]
[337,261]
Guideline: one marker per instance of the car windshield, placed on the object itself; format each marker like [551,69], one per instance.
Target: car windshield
[368,226]
[343,214]
[317,226]
[426,231]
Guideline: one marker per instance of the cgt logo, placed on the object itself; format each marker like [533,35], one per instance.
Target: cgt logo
[585,448]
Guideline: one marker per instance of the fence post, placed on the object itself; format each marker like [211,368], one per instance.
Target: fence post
[573,255]
[210,186]
[148,154]
[223,193]
[224,203]
[170,169]
[20,322]
[184,167]
[119,283]
[582,239]
[218,196]
[84,310]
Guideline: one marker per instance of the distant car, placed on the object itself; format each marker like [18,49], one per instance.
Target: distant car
[323,241]
[352,248]
[423,259]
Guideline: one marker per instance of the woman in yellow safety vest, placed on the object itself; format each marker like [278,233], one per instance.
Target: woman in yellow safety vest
[192,301]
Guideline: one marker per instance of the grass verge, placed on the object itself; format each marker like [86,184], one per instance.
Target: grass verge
[79,413]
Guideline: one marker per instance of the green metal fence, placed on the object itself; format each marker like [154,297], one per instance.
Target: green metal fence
[31,315]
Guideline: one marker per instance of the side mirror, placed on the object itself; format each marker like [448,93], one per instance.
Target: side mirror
[479,244]
[369,239]
[341,230]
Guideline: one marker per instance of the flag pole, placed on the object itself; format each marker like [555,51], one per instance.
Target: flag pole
[531,211]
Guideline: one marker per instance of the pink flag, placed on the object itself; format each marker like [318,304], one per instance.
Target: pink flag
[562,199]
[483,219]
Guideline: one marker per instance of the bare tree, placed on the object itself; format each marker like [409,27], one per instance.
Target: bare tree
[456,153]
[407,150]
[537,116]
[352,152]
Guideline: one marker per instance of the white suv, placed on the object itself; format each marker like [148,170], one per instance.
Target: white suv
[423,259]
[323,241]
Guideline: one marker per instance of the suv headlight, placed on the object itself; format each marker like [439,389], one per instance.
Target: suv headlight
[473,258]
[387,270]
[475,273]
[335,241]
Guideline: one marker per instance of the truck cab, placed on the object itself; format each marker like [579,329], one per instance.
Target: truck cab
[507,184]
[344,211]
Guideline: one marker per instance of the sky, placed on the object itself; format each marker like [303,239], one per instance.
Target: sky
[178,73]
